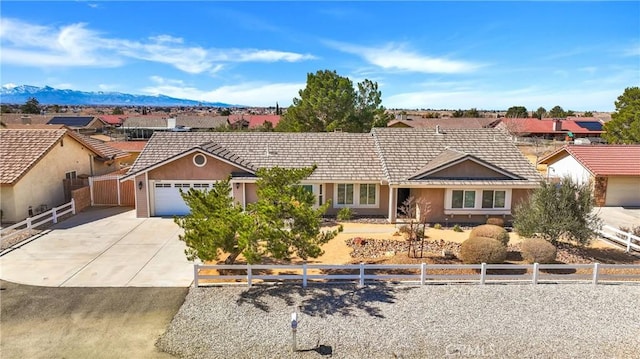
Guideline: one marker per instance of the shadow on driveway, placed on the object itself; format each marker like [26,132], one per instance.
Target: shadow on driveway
[44,322]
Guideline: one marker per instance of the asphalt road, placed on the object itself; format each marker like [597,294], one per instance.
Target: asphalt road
[45,322]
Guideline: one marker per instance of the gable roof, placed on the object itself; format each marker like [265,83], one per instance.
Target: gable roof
[602,160]
[446,123]
[405,152]
[449,158]
[113,119]
[338,156]
[71,121]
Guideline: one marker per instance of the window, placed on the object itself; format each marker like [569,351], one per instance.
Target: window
[463,199]
[493,199]
[199,160]
[345,193]
[320,195]
[368,194]
[70,175]
[308,187]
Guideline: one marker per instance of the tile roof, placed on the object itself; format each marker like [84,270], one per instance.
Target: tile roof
[113,119]
[145,122]
[21,149]
[71,121]
[201,121]
[390,154]
[546,126]
[339,156]
[602,160]
[255,121]
[446,123]
[18,118]
[405,153]
[128,146]
[103,150]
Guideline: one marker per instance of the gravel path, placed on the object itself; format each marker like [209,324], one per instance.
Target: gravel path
[400,321]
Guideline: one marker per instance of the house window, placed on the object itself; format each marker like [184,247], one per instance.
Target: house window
[345,194]
[70,175]
[368,194]
[320,195]
[493,199]
[463,199]
[199,160]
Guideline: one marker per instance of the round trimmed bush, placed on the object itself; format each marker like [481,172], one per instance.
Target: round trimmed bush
[538,250]
[497,221]
[491,231]
[482,250]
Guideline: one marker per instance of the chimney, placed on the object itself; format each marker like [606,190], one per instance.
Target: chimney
[557,125]
[438,130]
[26,120]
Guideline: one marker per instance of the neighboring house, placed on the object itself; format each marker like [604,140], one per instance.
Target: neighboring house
[466,175]
[34,163]
[113,120]
[252,122]
[144,126]
[613,170]
[133,148]
[81,124]
[24,119]
[554,129]
[444,123]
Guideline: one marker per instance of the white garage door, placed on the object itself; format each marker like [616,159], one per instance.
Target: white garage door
[167,198]
[623,191]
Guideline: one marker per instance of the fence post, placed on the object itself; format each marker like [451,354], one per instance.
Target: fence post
[596,267]
[91,190]
[73,206]
[54,215]
[249,275]
[195,275]
[628,242]
[483,272]
[304,275]
[29,223]
[535,273]
[361,274]
[118,187]
[423,273]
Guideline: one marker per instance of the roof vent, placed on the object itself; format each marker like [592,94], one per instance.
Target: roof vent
[438,132]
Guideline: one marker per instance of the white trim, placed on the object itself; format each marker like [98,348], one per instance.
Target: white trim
[477,208]
[147,185]
[356,195]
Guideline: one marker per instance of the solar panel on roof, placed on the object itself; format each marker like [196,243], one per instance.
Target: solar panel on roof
[590,125]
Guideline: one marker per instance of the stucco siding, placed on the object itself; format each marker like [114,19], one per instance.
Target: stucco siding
[184,169]
[569,167]
[142,196]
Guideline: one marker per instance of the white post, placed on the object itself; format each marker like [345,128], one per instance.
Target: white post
[423,273]
[483,272]
[596,267]
[249,274]
[73,206]
[304,275]
[535,273]
[628,242]
[195,275]
[361,274]
[91,189]
[54,215]
[29,223]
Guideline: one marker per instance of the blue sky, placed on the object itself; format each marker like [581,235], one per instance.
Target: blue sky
[440,55]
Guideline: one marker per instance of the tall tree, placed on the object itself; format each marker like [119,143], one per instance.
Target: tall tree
[517,112]
[117,111]
[624,126]
[472,113]
[32,106]
[457,113]
[587,114]
[557,112]
[558,212]
[282,223]
[329,102]
[541,112]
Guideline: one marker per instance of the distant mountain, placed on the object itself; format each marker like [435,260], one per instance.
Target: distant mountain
[51,96]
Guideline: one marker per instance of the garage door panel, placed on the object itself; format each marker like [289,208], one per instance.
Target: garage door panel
[623,192]
[168,201]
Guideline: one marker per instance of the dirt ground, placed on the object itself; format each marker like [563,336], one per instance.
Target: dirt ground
[45,322]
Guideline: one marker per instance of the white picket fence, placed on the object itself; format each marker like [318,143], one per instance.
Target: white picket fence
[417,273]
[51,215]
[617,236]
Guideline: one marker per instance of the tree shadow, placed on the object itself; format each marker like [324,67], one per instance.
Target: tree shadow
[324,299]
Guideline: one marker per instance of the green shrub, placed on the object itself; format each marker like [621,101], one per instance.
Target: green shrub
[538,250]
[457,228]
[437,226]
[345,214]
[482,250]
[496,221]
[491,231]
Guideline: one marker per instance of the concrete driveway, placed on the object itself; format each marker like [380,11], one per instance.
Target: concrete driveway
[619,216]
[102,247]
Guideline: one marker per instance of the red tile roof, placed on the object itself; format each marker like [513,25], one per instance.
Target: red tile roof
[603,160]
[113,119]
[128,146]
[546,126]
[255,120]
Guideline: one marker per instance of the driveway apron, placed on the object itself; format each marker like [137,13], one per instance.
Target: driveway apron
[102,247]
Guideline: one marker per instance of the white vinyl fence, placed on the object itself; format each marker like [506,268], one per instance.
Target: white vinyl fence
[36,221]
[417,273]
[617,236]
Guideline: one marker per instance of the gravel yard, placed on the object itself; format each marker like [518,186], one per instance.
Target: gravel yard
[401,321]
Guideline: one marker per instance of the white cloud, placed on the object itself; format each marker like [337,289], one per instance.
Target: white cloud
[250,94]
[26,44]
[399,58]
